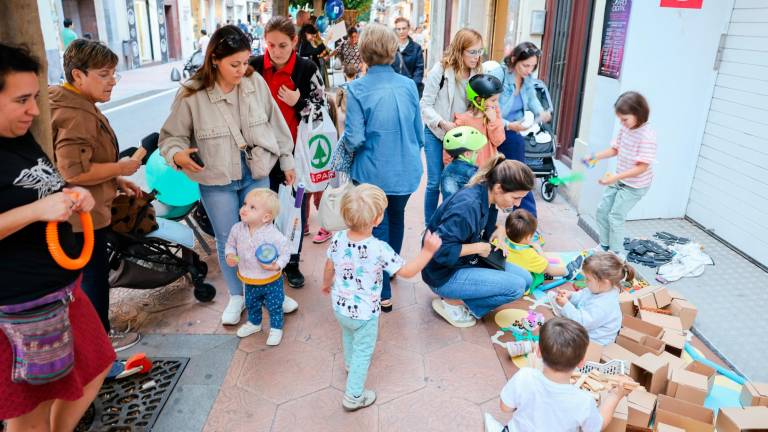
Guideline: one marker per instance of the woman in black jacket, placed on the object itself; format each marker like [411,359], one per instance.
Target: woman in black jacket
[311,46]
[409,60]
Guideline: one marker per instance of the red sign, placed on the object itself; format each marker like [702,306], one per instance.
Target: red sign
[682,4]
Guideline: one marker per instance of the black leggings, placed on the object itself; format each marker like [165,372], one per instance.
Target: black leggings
[96,275]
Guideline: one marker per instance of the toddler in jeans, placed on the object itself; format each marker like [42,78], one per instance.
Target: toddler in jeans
[462,144]
[354,273]
[635,146]
[261,270]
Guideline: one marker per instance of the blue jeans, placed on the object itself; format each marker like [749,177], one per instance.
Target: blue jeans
[482,289]
[433,153]
[222,203]
[455,176]
[391,230]
[519,272]
[270,295]
[513,148]
[359,340]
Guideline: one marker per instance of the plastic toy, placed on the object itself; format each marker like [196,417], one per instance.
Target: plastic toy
[266,253]
[136,364]
[589,161]
[54,246]
[570,178]
[721,370]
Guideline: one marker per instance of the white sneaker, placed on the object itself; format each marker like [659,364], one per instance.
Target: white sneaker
[366,399]
[457,316]
[235,307]
[275,336]
[492,425]
[289,305]
[248,329]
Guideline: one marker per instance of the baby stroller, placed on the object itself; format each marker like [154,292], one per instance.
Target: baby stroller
[194,63]
[162,256]
[540,147]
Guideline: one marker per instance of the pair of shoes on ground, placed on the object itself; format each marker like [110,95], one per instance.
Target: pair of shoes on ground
[354,403]
[121,341]
[236,306]
[249,328]
[457,316]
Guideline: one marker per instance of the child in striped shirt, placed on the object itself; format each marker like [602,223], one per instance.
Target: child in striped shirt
[635,147]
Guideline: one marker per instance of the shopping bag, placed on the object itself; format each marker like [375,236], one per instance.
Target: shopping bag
[288,220]
[315,145]
[329,211]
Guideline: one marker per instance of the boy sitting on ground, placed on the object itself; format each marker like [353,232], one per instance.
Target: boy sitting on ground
[546,400]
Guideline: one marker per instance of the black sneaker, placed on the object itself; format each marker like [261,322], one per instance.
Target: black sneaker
[293,275]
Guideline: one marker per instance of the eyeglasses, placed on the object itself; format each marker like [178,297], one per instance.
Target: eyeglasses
[107,78]
[474,52]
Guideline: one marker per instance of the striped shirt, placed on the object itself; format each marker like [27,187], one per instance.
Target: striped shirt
[635,146]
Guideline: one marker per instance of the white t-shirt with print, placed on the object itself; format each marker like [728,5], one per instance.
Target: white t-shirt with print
[359,274]
[543,405]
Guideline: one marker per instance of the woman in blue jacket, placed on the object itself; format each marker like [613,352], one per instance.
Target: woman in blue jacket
[467,291]
[517,97]
[384,131]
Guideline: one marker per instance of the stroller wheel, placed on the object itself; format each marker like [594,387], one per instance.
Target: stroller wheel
[204,292]
[548,191]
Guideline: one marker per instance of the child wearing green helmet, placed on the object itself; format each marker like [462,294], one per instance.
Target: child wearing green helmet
[463,144]
[483,113]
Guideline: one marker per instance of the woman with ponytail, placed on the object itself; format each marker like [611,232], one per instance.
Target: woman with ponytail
[467,291]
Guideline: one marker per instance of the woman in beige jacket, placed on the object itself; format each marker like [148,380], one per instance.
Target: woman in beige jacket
[226,115]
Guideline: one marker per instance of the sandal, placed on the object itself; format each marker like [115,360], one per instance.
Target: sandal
[386,305]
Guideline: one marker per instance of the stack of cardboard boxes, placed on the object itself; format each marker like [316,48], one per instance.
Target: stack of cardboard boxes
[651,342]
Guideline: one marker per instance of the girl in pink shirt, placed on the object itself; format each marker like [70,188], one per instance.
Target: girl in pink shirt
[635,147]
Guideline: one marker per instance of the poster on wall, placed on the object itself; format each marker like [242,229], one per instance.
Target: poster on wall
[163,32]
[134,44]
[615,23]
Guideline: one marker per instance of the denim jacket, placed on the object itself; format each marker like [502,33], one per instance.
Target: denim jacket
[506,100]
[384,130]
[455,176]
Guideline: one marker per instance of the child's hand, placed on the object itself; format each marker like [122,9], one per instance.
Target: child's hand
[589,161]
[608,179]
[232,260]
[564,292]
[270,267]
[490,114]
[561,299]
[620,387]
[432,242]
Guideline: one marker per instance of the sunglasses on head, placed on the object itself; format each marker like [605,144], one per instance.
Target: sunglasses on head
[235,41]
[530,51]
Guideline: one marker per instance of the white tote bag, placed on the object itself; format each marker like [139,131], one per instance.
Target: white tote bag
[329,212]
[288,220]
[314,151]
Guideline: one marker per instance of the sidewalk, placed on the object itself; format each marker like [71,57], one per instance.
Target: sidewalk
[143,81]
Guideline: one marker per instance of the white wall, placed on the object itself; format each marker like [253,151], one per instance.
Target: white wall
[524,21]
[186,28]
[669,56]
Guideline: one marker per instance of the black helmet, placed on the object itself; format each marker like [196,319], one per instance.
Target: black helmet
[482,86]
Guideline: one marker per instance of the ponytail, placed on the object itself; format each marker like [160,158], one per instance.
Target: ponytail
[511,175]
[629,272]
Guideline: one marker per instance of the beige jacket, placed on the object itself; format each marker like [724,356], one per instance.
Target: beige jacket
[203,120]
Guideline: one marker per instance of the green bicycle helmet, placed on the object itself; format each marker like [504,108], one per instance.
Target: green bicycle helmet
[482,86]
[462,139]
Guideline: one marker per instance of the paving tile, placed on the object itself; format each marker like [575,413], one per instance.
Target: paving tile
[292,370]
[257,341]
[237,409]
[493,408]
[190,318]
[235,368]
[394,372]
[463,370]
[319,328]
[430,410]
[322,412]
[187,409]
[418,329]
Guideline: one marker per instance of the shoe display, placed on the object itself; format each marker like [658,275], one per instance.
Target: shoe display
[293,275]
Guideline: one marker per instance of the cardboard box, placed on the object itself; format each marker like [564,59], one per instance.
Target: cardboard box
[594,352]
[670,322]
[627,303]
[639,343]
[688,416]
[656,297]
[616,351]
[650,371]
[684,310]
[674,362]
[676,295]
[754,394]
[702,369]
[688,386]
[674,342]
[640,405]
[642,326]
[619,421]
[663,427]
[742,419]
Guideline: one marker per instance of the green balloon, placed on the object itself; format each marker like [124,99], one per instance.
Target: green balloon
[173,187]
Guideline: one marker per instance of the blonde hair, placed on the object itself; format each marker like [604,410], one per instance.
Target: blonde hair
[454,55]
[511,175]
[378,45]
[266,198]
[607,266]
[362,206]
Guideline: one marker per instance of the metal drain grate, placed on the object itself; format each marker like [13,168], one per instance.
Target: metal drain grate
[123,406]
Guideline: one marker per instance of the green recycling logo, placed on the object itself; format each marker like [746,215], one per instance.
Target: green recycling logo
[320,149]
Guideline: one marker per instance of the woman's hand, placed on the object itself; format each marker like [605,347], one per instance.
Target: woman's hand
[545,117]
[128,166]
[84,201]
[57,207]
[446,125]
[291,97]
[483,249]
[290,177]
[128,187]
[497,239]
[183,161]
[515,126]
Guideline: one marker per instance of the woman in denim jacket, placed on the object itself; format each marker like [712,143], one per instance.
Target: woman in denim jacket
[520,96]
[384,131]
